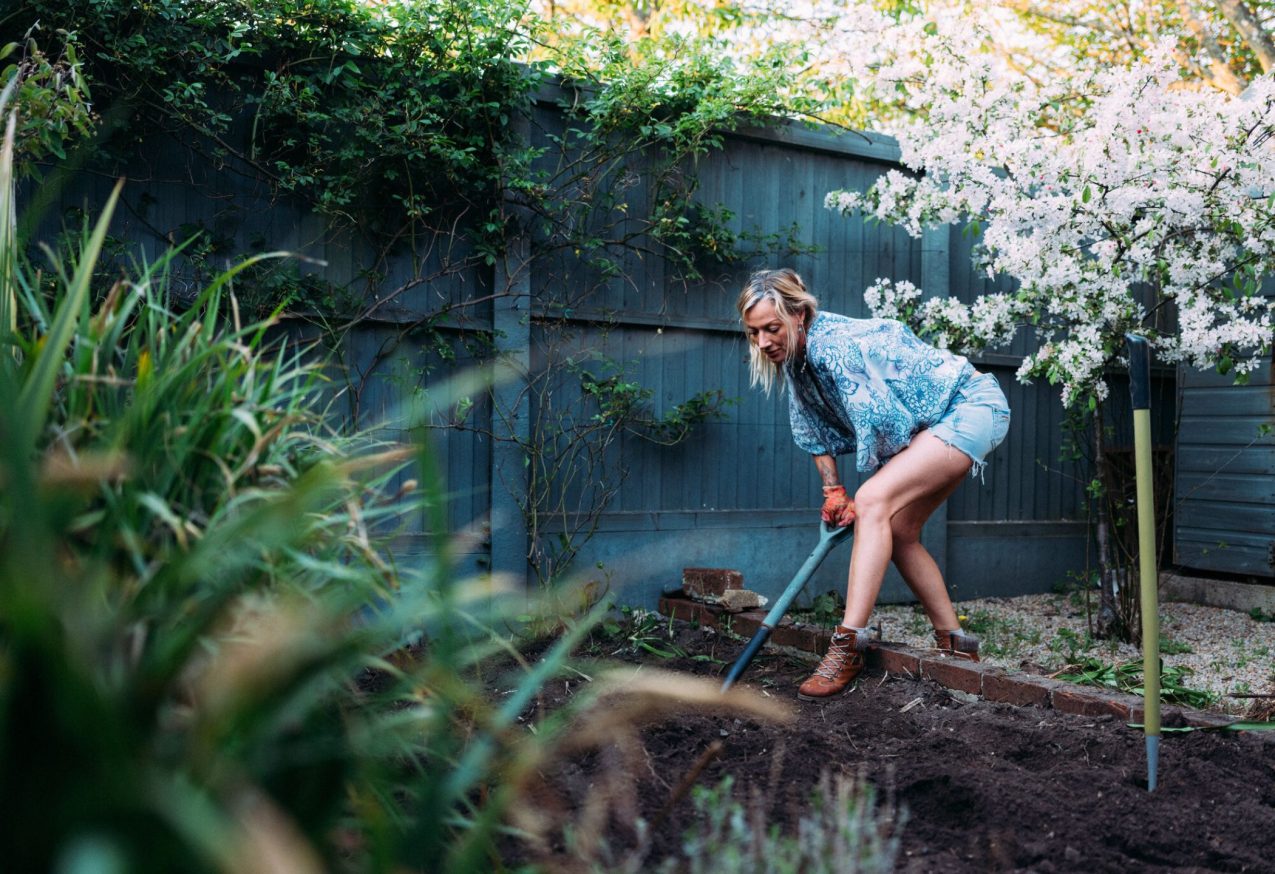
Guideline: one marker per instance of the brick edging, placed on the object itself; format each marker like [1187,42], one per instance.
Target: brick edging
[990,682]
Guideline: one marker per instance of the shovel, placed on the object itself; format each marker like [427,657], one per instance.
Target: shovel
[828,538]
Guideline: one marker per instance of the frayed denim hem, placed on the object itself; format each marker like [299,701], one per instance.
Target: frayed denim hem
[978,466]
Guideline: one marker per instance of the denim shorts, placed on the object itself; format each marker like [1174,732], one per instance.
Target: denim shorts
[976,420]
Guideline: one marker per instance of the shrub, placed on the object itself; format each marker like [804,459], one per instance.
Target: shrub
[202,662]
[192,595]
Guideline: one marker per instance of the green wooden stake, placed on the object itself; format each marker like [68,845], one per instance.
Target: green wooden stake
[1140,389]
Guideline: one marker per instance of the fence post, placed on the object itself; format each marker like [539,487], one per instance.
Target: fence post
[511,407]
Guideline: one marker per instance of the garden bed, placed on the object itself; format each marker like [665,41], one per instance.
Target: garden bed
[1213,659]
[984,786]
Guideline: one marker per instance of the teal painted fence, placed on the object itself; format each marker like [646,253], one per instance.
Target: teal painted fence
[1225,478]
[737,493]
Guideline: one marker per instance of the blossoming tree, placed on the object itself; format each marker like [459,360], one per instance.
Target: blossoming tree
[1142,207]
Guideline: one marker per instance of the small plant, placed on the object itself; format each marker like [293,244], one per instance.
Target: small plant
[1075,587]
[845,832]
[1257,614]
[826,610]
[1070,644]
[1127,677]
[999,635]
[1168,646]
[917,622]
[643,631]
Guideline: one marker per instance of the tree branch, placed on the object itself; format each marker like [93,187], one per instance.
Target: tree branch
[1221,73]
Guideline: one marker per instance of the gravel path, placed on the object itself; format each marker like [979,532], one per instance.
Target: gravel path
[1225,651]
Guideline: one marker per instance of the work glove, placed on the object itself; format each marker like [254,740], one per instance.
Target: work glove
[838,509]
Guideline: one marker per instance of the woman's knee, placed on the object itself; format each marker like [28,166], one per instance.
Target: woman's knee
[872,503]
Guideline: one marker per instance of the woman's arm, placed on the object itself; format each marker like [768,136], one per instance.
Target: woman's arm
[827,467]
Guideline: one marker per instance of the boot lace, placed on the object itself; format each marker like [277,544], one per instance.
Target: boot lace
[840,649]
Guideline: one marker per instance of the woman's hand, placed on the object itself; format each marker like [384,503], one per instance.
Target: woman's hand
[838,509]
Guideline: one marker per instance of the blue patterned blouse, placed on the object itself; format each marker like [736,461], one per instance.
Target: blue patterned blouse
[867,386]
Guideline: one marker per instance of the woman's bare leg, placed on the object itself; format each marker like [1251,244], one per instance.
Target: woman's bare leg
[924,474]
[917,566]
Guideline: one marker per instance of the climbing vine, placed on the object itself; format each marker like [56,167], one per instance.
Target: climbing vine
[417,131]
[49,85]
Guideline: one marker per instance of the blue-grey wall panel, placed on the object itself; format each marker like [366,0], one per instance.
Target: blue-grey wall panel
[1224,506]
[642,554]
[991,559]
[387,382]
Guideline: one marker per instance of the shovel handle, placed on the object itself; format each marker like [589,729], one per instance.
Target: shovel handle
[829,537]
[745,657]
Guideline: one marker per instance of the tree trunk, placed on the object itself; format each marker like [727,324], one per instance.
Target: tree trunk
[1108,624]
[1250,29]
[1220,73]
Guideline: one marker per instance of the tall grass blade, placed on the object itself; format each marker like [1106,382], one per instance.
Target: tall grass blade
[8,219]
[36,395]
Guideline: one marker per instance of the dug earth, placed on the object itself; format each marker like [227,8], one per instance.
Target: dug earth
[984,786]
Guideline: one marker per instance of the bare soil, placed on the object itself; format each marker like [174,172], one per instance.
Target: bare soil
[985,787]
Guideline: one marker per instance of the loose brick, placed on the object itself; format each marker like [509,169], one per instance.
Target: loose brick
[959,674]
[746,623]
[736,600]
[1086,702]
[702,582]
[1018,689]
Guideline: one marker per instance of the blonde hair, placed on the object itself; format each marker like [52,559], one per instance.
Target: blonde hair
[794,306]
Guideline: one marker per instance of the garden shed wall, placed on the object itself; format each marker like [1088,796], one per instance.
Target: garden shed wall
[1225,476]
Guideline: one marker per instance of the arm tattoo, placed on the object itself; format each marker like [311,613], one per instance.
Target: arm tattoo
[827,467]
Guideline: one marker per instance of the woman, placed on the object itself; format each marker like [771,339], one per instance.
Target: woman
[917,418]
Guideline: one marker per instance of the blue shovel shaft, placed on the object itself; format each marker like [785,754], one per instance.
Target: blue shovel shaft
[828,538]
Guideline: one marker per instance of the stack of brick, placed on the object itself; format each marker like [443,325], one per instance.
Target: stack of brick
[720,587]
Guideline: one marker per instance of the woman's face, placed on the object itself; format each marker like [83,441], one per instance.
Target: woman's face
[764,327]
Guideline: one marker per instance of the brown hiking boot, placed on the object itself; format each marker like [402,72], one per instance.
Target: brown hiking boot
[958,643]
[840,665]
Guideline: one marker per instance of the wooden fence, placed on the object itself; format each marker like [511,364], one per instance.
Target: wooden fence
[737,493]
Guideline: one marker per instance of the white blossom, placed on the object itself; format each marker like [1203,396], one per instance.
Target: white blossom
[1155,190]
